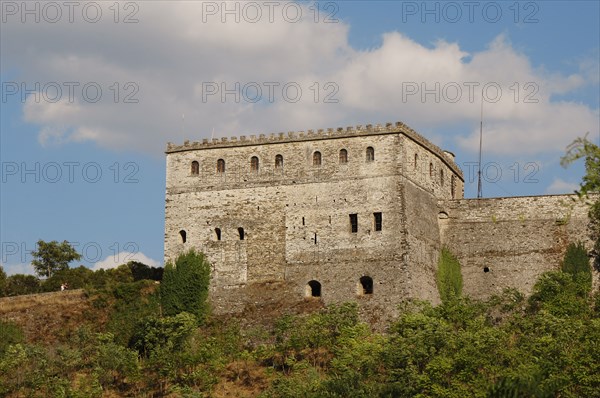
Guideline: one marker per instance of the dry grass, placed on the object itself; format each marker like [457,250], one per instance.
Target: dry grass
[46,317]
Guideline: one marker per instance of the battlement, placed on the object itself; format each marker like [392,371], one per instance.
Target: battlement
[320,134]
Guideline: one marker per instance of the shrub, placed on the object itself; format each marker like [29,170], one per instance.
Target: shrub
[2,281]
[20,284]
[577,264]
[184,287]
[9,334]
[449,278]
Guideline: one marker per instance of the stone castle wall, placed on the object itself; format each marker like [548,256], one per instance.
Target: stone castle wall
[509,242]
[269,216]
[296,217]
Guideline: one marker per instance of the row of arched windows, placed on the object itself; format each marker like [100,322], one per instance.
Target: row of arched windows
[432,175]
[218,235]
[255,162]
[364,288]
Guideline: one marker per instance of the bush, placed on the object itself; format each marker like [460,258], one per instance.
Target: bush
[169,334]
[19,284]
[9,334]
[560,294]
[449,278]
[185,285]
[2,281]
[75,278]
[131,302]
[142,271]
[577,264]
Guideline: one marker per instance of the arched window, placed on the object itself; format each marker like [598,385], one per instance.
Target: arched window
[431,170]
[370,154]
[313,289]
[279,162]
[366,285]
[241,232]
[453,186]
[254,163]
[183,236]
[218,233]
[220,166]
[317,158]
[195,168]
[343,156]
[442,177]
[416,161]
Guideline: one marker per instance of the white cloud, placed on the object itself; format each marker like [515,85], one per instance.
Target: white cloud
[561,186]
[114,261]
[166,60]
[19,268]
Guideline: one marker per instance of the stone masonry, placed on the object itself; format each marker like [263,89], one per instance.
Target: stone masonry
[356,213]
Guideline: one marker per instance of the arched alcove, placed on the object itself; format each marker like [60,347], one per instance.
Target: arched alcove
[313,289]
[365,286]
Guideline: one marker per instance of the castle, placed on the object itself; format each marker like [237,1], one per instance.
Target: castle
[356,213]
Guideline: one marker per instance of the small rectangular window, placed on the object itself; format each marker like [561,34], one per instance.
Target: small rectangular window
[377,220]
[354,223]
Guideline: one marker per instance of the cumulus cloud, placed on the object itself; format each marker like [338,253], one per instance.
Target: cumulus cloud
[561,186]
[131,83]
[18,268]
[114,261]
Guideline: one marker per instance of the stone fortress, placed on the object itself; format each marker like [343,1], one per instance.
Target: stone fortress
[356,213]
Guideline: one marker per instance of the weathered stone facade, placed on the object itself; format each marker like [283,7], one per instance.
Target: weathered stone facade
[346,214]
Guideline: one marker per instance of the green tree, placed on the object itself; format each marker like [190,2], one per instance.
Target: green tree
[2,281]
[19,284]
[51,257]
[184,287]
[584,148]
[448,277]
[577,264]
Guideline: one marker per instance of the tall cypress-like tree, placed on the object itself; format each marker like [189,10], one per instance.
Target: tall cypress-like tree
[184,287]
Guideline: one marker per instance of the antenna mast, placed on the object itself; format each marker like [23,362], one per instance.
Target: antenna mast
[479,193]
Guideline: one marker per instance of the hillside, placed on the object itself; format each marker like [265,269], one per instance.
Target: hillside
[45,317]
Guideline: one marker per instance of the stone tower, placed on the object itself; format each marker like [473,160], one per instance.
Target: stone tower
[344,214]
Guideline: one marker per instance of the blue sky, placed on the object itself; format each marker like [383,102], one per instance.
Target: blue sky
[91,95]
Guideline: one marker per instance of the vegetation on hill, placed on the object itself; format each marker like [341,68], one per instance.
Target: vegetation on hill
[545,346]
[185,285]
[145,340]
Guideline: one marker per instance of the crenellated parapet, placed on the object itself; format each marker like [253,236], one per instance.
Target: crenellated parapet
[315,135]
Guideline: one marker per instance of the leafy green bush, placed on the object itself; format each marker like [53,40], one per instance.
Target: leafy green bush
[561,294]
[577,264]
[184,287]
[19,284]
[448,277]
[129,304]
[9,334]
[154,335]
[2,281]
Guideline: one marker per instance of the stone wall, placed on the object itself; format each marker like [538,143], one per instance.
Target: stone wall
[509,242]
[276,212]
[295,214]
